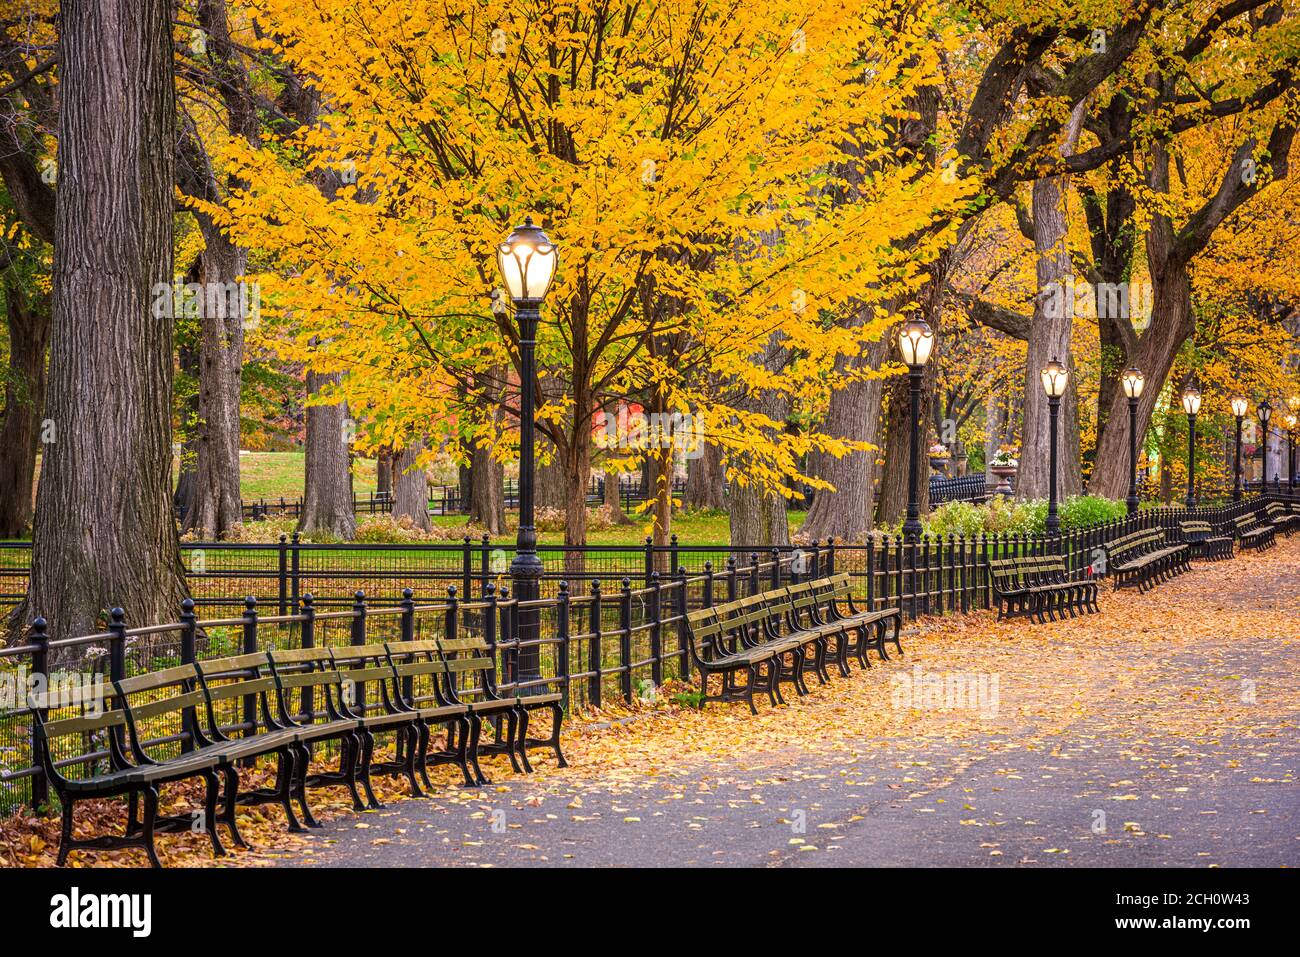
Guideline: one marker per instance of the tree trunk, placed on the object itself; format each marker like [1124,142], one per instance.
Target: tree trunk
[705,479]
[214,507]
[29,335]
[487,502]
[845,512]
[327,505]
[384,472]
[758,517]
[104,532]
[613,502]
[576,465]
[1049,338]
[411,487]
[1171,324]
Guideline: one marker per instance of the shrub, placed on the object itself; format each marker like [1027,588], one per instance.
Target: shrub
[1002,516]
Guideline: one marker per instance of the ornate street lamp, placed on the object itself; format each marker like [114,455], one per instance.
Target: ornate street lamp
[1240,406]
[1289,420]
[1191,405]
[1133,381]
[1055,377]
[915,343]
[527,260]
[1264,412]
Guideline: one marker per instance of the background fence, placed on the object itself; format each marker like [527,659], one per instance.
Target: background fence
[448,500]
[602,635]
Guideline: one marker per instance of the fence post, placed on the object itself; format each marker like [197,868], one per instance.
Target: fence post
[188,633]
[358,637]
[308,641]
[625,640]
[674,559]
[509,639]
[562,636]
[683,651]
[284,575]
[656,631]
[485,570]
[871,571]
[296,567]
[732,583]
[490,623]
[753,573]
[467,568]
[594,657]
[830,556]
[708,584]
[248,647]
[776,567]
[40,666]
[649,559]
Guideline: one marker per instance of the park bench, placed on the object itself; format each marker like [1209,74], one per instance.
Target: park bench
[85,757]
[1144,558]
[123,739]
[1038,586]
[471,659]
[1200,538]
[1280,517]
[778,635]
[833,611]
[1251,533]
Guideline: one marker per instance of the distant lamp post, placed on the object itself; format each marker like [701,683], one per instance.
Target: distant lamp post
[527,260]
[1240,406]
[1191,405]
[1264,412]
[915,343]
[1055,377]
[1133,381]
[1289,420]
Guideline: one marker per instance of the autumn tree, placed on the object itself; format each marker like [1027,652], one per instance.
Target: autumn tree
[104,531]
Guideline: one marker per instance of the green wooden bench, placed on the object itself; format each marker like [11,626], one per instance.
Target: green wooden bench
[780,635]
[1145,559]
[1251,533]
[1200,538]
[1280,517]
[1038,586]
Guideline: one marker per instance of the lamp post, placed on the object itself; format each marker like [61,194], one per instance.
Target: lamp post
[1133,381]
[1054,377]
[1191,405]
[1239,407]
[1264,411]
[527,260]
[915,343]
[1289,420]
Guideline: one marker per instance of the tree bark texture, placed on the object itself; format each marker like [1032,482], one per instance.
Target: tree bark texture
[29,334]
[327,505]
[104,531]
[411,487]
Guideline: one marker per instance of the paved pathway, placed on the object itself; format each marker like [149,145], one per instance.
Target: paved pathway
[1161,732]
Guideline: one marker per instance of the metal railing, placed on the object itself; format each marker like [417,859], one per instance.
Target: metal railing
[595,643]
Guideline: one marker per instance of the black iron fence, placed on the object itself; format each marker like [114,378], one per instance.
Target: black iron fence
[597,641]
[447,499]
[965,488]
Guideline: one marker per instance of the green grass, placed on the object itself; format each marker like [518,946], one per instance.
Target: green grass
[272,475]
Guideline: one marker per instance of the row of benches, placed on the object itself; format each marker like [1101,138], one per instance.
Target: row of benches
[1039,585]
[286,702]
[779,635]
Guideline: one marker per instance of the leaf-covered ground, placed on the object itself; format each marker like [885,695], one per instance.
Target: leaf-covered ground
[1161,731]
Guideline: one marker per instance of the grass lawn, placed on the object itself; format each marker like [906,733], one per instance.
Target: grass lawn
[272,475]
